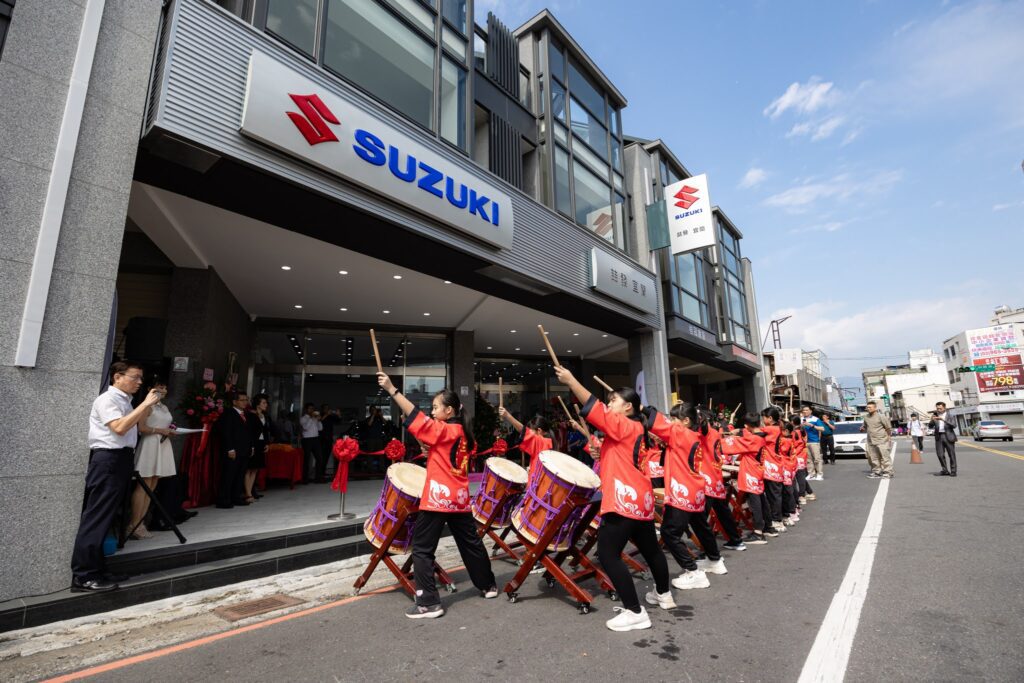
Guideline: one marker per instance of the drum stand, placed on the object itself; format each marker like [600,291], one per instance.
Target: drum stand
[486,529]
[537,552]
[403,573]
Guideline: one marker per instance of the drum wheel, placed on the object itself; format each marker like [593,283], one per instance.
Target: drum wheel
[612,595]
[513,597]
[550,581]
[583,607]
[450,587]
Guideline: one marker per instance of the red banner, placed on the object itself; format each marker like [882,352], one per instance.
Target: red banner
[1005,378]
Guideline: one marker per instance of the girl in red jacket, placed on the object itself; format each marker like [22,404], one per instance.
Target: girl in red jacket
[533,437]
[716,495]
[445,498]
[627,503]
[749,444]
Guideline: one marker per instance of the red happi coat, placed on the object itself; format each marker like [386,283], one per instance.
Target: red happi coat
[800,449]
[749,447]
[447,486]
[711,463]
[625,490]
[650,463]
[684,485]
[533,444]
[788,460]
[772,460]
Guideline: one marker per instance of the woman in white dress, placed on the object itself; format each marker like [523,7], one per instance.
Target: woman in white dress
[154,458]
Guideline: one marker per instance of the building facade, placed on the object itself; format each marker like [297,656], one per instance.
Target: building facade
[985,372]
[801,378]
[921,379]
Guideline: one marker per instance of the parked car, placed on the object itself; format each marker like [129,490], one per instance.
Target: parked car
[992,429]
[849,439]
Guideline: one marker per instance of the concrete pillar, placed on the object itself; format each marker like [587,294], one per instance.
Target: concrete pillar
[42,469]
[463,374]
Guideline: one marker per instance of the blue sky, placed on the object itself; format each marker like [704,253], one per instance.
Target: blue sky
[869,151]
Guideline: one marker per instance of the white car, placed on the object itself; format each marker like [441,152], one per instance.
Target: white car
[992,429]
[848,438]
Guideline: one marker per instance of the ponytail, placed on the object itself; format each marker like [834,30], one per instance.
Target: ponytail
[452,400]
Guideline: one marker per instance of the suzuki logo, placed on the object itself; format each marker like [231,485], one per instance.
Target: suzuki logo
[687,197]
[311,122]
[603,224]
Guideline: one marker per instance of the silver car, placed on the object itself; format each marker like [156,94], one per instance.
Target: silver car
[848,438]
[992,429]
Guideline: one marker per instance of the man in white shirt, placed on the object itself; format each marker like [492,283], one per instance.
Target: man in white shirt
[916,431]
[310,425]
[112,438]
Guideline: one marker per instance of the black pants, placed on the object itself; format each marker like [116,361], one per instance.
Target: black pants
[613,534]
[106,482]
[758,510]
[724,515]
[943,448]
[231,487]
[673,530]
[919,440]
[788,500]
[802,486]
[312,456]
[828,448]
[425,536]
[773,493]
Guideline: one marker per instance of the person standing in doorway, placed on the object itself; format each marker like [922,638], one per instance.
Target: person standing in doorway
[916,431]
[828,442]
[113,435]
[879,446]
[154,458]
[310,426]
[813,427]
[236,449]
[945,439]
[260,431]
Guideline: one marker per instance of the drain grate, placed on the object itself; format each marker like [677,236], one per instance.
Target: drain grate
[251,608]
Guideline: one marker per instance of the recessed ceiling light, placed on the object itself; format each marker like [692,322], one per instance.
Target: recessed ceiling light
[567,351]
[397,277]
[315,353]
[489,348]
[517,348]
[286,267]
[603,336]
[447,282]
[385,312]
[575,334]
[342,272]
[298,305]
[512,331]
[426,314]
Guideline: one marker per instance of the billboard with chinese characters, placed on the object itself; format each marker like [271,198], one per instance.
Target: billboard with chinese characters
[615,277]
[691,222]
[996,346]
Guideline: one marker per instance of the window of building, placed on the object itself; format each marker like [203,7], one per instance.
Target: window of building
[454,12]
[737,325]
[414,11]
[563,200]
[480,50]
[558,100]
[593,203]
[588,128]
[556,60]
[525,94]
[583,90]
[454,43]
[370,47]
[453,103]
[294,21]
[687,291]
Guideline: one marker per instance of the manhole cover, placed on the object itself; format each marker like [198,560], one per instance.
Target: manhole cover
[244,610]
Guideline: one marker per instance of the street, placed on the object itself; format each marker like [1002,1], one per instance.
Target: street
[943,603]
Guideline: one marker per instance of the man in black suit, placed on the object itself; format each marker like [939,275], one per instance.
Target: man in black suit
[235,448]
[945,438]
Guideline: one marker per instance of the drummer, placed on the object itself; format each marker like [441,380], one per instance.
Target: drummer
[445,499]
[715,493]
[627,503]
[533,437]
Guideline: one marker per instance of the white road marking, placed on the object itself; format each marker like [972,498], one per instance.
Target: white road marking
[830,654]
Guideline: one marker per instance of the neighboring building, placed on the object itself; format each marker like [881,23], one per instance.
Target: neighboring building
[800,378]
[252,185]
[998,392]
[924,368]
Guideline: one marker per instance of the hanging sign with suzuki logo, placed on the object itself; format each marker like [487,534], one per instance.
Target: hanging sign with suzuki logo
[301,118]
[691,223]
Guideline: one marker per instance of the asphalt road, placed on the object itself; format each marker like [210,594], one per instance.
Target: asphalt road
[945,602]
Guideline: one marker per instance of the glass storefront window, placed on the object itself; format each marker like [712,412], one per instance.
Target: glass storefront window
[582,89]
[294,21]
[588,128]
[453,103]
[563,200]
[454,11]
[377,52]
[593,203]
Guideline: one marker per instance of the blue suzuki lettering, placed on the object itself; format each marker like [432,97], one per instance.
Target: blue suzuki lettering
[370,148]
[409,174]
[431,177]
[449,190]
[477,205]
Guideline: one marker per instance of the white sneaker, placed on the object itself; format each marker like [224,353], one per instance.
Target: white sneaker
[662,600]
[694,579]
[801,500]
[819,477]
[788,522]
[628,620]
[811,496]
[712,566]
[780,527]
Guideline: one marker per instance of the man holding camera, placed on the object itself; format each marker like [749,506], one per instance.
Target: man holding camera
[945,439]
[113,435]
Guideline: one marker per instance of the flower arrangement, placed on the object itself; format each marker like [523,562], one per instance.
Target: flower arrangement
[202,405]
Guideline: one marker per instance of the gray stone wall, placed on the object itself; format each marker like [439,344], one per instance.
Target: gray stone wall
[45,409]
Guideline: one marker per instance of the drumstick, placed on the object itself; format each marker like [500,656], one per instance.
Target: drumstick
[582,422]
[376,353]
[736,412]
[554,358]
[709,403]
[603,384]
[567,413]
[501,400]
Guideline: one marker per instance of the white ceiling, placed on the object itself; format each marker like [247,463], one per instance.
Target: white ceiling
[249,255]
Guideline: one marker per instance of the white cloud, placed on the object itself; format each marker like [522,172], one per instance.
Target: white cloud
[803,98]
[904,28]
[817,130]
[830,226]
[753,177]
[1008,205]
[802,197]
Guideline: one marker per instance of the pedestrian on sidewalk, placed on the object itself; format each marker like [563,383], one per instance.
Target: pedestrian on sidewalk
[813,427]
[916,430]
[945,439]
[113,434]
[879,447]
[828,442]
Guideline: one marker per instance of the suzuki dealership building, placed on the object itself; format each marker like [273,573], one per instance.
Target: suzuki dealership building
[240,189]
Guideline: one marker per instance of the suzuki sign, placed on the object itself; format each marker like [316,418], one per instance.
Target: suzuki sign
[335,135]
[691,223]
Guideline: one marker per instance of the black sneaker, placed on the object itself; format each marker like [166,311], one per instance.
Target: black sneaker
[734,545]
[887,475]
[770,533]
[754,539]
[425,612]
[874,475]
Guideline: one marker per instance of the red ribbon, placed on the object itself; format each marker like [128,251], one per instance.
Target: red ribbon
[345,451]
